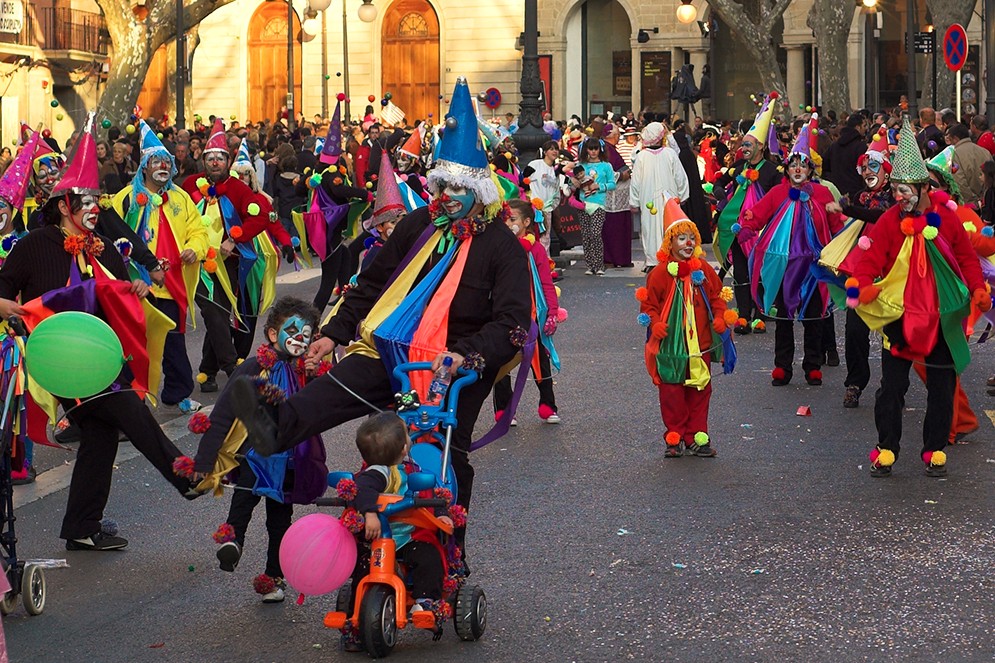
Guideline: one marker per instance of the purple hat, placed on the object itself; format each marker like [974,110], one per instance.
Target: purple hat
[332,147]
[14,183]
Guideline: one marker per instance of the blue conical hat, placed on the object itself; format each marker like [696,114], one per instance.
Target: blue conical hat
[242,156]
[150,142]
[461,159]
[331,149]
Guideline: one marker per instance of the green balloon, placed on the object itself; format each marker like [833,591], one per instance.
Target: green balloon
[73,355]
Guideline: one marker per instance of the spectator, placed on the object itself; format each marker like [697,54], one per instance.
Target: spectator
[117,172]
[840,165]
[185,165]
[980,133]
[930,136]
[970,159]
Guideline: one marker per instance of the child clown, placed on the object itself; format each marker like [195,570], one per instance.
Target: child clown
[684,307]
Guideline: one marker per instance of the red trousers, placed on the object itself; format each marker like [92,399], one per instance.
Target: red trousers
[964,420]
[685,409]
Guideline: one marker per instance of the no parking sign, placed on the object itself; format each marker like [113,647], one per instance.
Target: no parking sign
[955,47]
[492,98]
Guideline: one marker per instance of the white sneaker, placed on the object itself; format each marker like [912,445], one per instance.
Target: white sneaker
[600,272]
[276,596]
[552,419]
[189,406]
[514,422]
[589,272]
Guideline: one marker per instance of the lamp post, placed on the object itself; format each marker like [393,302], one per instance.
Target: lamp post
[181,66]
[367,14]
[530,136]
[910,51]
[290,66]
[989,31]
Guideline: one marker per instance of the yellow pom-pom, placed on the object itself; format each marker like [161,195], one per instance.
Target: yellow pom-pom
[730,317]
[369,185]
[252,209]
[240,360]
[851,283]
[493,168]
[698,251]
[642,294]
[201,182]
[930,232]
[938,458]
[672,268]
[726,294]
[886,458]
[558,291]
[970,227]
[201,378]
[701,438]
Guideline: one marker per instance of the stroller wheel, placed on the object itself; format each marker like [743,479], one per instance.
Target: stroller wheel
[33,589]
[9,600]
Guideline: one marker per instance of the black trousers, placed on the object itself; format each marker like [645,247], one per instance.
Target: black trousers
[889,405]
[336,268]
[177,375]
[99,421]
[502,388]
[858,349]
[323,404]
[741,283]
[784,335]
[828,333]
[424,564]
[278,517]
[223,343]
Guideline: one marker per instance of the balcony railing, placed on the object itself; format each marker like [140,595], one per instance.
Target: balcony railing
[61,29]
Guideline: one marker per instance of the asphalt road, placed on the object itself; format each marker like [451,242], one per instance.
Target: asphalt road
[590,546]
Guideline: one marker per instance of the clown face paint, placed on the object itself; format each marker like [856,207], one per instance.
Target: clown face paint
[873,174]
[215,166]
[295,336]
[907,196]
[517,223]
[86,217]
[6,216]
[159,169]
[46,173]
[798,171]
[682,246]
[404,162]
[748,148]
[457,201]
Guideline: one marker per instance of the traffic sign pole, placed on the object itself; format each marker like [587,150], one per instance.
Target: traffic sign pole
[958,95]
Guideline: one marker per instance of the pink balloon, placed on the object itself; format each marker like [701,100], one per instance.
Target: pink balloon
[318,554]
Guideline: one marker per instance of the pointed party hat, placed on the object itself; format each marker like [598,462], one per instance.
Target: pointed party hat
[217,141]
[761,125]
[243,153]
[675,221]
[907,164]
[461,157]
[412,146]
[81,175]
[803,143]
[879,149]
[150,141]
[14,183]
[388,205]
[943,165]
[331,149]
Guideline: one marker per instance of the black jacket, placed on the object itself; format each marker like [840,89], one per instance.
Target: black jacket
[840,164]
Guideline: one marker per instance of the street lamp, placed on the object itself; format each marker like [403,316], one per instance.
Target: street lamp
[367,11]
[686,13]
[320,5]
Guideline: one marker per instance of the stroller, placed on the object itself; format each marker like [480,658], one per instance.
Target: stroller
[382,603]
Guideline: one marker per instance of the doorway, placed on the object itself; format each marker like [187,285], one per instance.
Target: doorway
[411,58]
[267,44]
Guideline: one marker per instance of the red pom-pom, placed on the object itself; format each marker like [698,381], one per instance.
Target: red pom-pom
[142,199]
[235,232]
[183,466]
[199,423]
[450,586]
[662,256]
[443,493]
[340,96]
[353,521]
[526,244]
[458,515]
[683,269]
[224,534]
[775,94]
[323,367]
[875,452]
[263,584]
[815,375]
[642,294]
[778,374]
[672,438]
[211,253]
[561,314]
[346,489]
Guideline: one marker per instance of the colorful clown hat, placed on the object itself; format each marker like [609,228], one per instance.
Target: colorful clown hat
[803,143]
[943,165]
[81,175]
[761,125]
[675,221]
[461,157]
[242,156]
[150,142]
[412,146]
[388,205]
[14,183]
[907,164]
[331,149]
[217,141]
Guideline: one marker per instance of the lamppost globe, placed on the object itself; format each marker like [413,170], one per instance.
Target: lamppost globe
[311,27]
[686,13]
[320,5]
[367,12]
[870,4]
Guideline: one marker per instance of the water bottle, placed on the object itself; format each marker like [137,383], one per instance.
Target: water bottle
[440,382]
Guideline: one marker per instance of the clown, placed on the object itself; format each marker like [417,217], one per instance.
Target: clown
[753,176]
[166,220]
[45,167]
[241,285]
[915,284]
[13,194]
[794,220]
[457,264]
[388,209]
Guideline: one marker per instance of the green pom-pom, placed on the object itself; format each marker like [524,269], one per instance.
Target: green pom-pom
[773,311]
[106,124]
[190,568]
[201,182]
[206,221]
[701,438]
[233,172]
[930,232]
[672,268]
[253,209]
[156,199]
[708,187]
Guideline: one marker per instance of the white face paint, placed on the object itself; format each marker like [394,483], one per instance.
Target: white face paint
[6,216]
[798,172]
[874,175]
[907,197]
[404,162]
[295,336]
[159,169]
[682,245]
[89,212]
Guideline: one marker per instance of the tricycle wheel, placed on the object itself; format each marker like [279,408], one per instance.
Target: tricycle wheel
[33,589]
[470,613]
[342,599]
[378,620]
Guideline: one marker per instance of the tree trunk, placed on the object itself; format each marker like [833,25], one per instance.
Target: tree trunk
[830,20]
[945,13]
[754,34]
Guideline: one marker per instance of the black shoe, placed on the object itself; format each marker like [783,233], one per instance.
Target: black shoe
[851,398]
[832,358]
[936,470]
[879,471]
[29,477]
[702,451]
[814,378]
[743,330]
[675,451]
[258,423]
[210,385]
[70,435]
[228,554]
[98,541]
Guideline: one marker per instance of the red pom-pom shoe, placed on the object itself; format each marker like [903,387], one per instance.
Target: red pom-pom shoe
[814,378]
[779,377]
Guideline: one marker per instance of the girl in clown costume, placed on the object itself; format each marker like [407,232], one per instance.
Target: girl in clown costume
[915,285]
[784,233]
[682,304]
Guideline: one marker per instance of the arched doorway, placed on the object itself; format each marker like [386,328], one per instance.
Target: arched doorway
[267,44]
[599,59]
[411,58]
[154,97]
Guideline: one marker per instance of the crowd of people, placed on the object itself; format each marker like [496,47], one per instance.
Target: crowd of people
[433,244]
